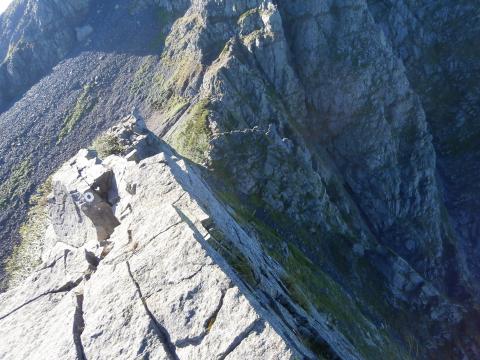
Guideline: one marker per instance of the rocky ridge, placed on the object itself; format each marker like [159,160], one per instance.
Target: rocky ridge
[145,225]
[152,283]
[319,128]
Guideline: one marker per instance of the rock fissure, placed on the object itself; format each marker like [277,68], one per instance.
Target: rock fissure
[161,332]
[65,288]
[212,318]
[158,234]
[134,248]
[253,327]
[78,327]
[65,255]
[51,264]
[197,340]
[70,245]
[179,198]
[189,277]
[78,211]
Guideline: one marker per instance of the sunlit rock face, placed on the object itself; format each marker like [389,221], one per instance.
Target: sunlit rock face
[154,286]
[337,136]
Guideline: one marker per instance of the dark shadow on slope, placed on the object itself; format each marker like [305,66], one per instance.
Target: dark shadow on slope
[305,333]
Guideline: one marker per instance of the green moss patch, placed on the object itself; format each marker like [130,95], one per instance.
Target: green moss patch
[164,19]
[106,145]
[295,292]
[171,107]
[26,256]
[310,286]
[17,185]
[84,104]
[192,140]
[20,46]
[233,256]
[140,79]
[172,79]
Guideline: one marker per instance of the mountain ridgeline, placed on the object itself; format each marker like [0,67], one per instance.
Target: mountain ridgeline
[319,159]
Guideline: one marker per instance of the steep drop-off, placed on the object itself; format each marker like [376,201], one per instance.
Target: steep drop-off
[336,131]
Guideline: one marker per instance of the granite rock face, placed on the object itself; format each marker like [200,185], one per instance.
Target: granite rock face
[336,161]
[154,287]
[141,258]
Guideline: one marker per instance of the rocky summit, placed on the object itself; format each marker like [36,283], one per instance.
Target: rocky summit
[139,278]
[240,179]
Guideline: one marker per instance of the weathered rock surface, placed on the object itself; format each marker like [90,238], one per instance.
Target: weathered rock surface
[178,275]
[93,85]
[154,288]
[339,135]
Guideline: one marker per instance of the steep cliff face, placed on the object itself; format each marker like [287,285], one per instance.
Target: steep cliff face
[130,270]
[296,88]
[334,132]
[35,36]
[438,43]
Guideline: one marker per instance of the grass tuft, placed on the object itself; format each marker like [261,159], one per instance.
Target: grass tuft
[17,185]
[83,105]
[193,140]
[106,145]
[26,256]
